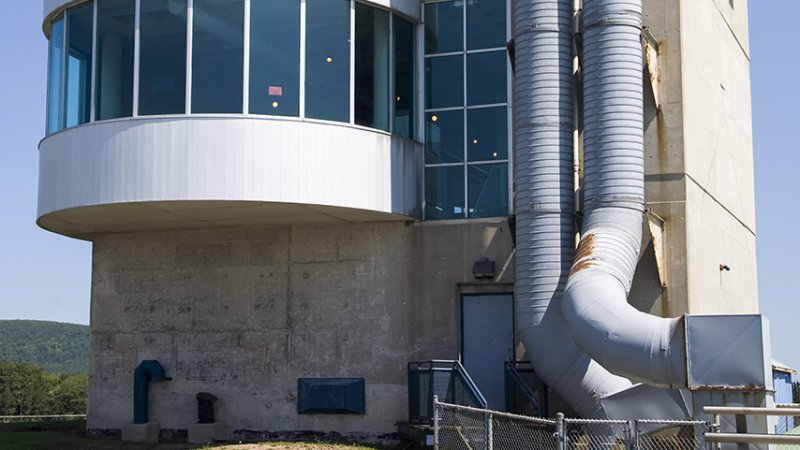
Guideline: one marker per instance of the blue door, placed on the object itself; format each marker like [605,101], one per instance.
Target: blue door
[487,339]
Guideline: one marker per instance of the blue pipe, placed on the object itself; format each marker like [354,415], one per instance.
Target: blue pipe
[147,371]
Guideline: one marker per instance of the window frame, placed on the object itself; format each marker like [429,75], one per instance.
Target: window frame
[465,52]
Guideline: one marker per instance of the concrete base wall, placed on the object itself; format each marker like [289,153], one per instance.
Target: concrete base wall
[243,313]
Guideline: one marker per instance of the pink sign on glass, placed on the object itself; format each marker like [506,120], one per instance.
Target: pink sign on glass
[275,90]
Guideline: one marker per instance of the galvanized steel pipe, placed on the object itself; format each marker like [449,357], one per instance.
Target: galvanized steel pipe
[544,203]
[624,340]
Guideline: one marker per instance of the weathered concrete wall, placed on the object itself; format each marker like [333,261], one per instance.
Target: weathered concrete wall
[242,313]
[699,160]
[719,157]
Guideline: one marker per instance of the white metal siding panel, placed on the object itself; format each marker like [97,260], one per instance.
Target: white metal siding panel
[229,158]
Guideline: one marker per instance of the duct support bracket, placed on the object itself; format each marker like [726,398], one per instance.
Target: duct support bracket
[655,225]
[652,61]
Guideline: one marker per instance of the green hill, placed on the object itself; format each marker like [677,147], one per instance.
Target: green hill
[59,348]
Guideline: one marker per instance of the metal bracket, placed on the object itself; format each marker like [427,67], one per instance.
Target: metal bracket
[652,61]
[656,226]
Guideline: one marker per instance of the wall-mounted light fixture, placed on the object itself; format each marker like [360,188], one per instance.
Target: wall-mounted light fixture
[724,267]
[483,269]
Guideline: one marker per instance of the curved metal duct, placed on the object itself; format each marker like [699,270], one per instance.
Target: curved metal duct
[544,203]
[624,340]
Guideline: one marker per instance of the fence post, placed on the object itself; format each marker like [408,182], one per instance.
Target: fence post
[716,426]
[561,437]
[489,432]
[436,422]
[632,435]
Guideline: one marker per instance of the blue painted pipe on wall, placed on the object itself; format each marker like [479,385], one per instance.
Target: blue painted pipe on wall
[147,371]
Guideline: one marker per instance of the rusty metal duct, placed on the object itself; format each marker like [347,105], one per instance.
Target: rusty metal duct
[544,203]
[624,340]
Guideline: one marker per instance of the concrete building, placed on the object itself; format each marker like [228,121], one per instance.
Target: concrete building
[290,189]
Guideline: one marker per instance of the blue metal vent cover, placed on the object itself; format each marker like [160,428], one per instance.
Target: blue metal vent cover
[330,396]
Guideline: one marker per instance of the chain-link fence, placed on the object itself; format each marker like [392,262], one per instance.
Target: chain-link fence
[465,428]
[787,424]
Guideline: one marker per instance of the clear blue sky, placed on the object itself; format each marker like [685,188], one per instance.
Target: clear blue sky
[46,276]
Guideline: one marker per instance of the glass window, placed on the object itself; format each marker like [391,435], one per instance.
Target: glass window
[218,56]
[54,76]
[404,78]
[372,67]
[487,78]
[328,59]
[114,83]
[487,133]
[275,57]
[486,24]
[162,57]
[79,64]
[444,137]
[444,27]
[466,114]
[488,190]
[444,192]
[444,81]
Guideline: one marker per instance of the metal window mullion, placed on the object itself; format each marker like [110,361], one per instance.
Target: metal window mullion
[510,116]
[464,93]
[487,50]
[488,105]
[246,60]
[136,53]
[421,129]
[392,91]
[62,100]
[352,62]
[302,80]
[189,39]
[92,83]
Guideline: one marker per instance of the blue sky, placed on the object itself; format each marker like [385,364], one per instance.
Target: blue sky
[46,276]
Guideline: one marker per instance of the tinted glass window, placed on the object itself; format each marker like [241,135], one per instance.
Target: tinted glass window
[162,53]
[487,78]
[328,59]
[444,81]
[444,27]
[444,137]
[444,192]
[372,67]
[79,64]
[218,56]
[486,24]
[488,190]
[55,76]
[114,83]
[405,94]
[275,57]
[487,133]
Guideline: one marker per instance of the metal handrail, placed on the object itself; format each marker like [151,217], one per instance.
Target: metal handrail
[751,411]
[473,388]
[745,438]
[420,409]
[514,376]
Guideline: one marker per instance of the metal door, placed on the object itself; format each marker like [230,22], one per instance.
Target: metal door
[487,342]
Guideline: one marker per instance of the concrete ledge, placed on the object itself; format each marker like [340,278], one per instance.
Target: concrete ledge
[204,433]
[140,432]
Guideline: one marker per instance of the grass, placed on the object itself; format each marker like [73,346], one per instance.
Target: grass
[71,435]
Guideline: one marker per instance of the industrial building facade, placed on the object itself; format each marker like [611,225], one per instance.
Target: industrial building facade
[279,190]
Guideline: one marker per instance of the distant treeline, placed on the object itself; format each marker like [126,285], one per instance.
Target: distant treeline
[26,389]
[59,348]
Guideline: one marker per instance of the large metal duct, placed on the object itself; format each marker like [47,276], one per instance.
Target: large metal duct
[544,203]
[622,339]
